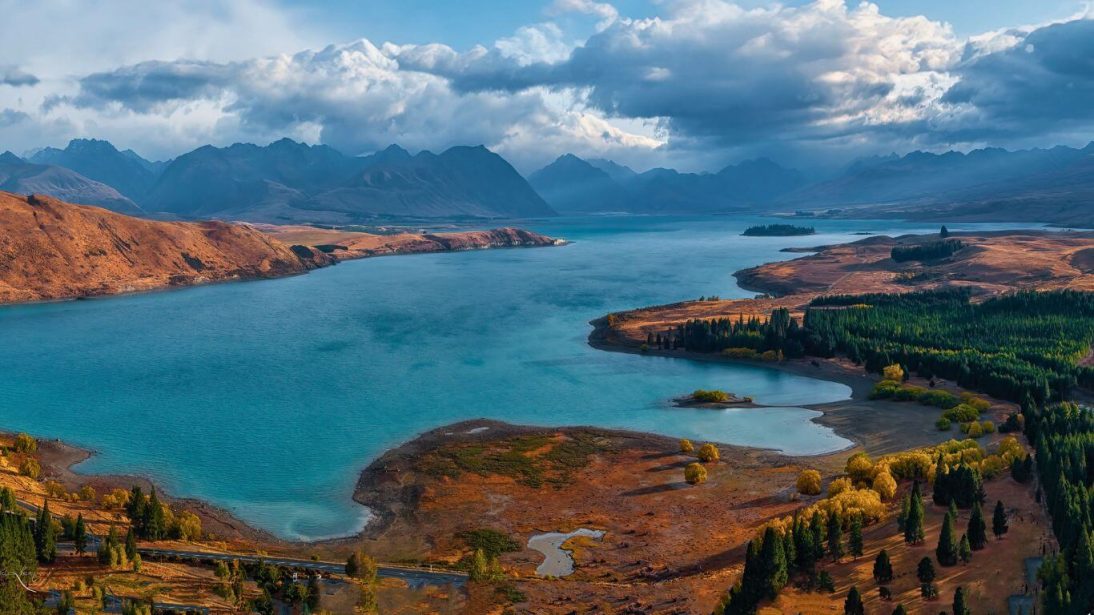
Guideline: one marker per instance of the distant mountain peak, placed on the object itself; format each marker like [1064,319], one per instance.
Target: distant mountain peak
[10,158]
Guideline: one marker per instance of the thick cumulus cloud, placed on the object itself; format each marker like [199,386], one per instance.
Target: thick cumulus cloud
[1040,82]
[713,70]
[812,81]
[14,76]
[356,97]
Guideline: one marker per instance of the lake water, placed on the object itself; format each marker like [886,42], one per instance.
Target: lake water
[267,398]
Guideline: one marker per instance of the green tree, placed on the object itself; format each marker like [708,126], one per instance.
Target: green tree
[155,519]
[924,571]
[312,596]
[353,567]
[913,524]
[999,520]
[773,561]
[816,527]
[964,550]
[45,535]
[361,566]
[959,606]
[977,530]
[7,499]
[79,535]
[854,542]
[853,604]
[902,516]
[835,536]
[883,568]
[130,543]
[946,552]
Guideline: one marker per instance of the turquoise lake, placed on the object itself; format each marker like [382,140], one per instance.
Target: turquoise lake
[267,398]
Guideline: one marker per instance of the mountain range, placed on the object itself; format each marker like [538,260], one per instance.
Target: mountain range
[289,182]
[282,182]
[571,184]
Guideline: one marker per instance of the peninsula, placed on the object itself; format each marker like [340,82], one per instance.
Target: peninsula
[52,250]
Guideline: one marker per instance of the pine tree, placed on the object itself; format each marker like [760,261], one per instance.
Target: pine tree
[45,536]
[855,540]
[79,535]
[899,610]
[902,517]
[999,520]
[946,553]
[804,549]
[977,530]
[773,564]
[835,536]
[913,525]
[816,526]
[953,509]
[883,568]
[959,606]
[1084,569]
[131,544]
[964,551]
[924,571]
[135,509]
[352,565]
[155,522]
[853,604]
[941,478]
[944,233]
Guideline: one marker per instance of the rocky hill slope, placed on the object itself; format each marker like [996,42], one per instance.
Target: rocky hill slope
[50,249]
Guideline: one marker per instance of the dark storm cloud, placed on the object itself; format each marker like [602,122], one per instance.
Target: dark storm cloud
[16,77]
[1043,83]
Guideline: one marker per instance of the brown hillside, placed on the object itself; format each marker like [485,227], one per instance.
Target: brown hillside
[350,244]
[50,249]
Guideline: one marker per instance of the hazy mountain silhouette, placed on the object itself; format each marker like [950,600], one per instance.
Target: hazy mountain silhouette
[99,160]
[22,177]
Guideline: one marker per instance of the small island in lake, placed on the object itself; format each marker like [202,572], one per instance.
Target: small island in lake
[710,399]
[778,230]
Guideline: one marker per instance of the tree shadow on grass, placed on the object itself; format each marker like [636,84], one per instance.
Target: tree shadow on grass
[662,488]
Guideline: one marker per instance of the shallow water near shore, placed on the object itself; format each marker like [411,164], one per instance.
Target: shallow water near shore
[268,398]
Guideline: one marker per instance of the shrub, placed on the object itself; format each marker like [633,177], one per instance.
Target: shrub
[885,485]
[838,486]
[962,413]
[943,424]
[708,453]
[30,468]
[25,443]
[973,430]
[712,396]
[739,353]
[686,446]
[187,526]
[860,468]
[893,372]
[695,473]
[809,482]
[492,542]
[987,427]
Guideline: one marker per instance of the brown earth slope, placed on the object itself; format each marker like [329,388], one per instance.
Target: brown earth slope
[991,263]
[50,249]
[349,244]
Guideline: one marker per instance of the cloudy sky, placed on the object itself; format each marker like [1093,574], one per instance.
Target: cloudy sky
[692,84]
